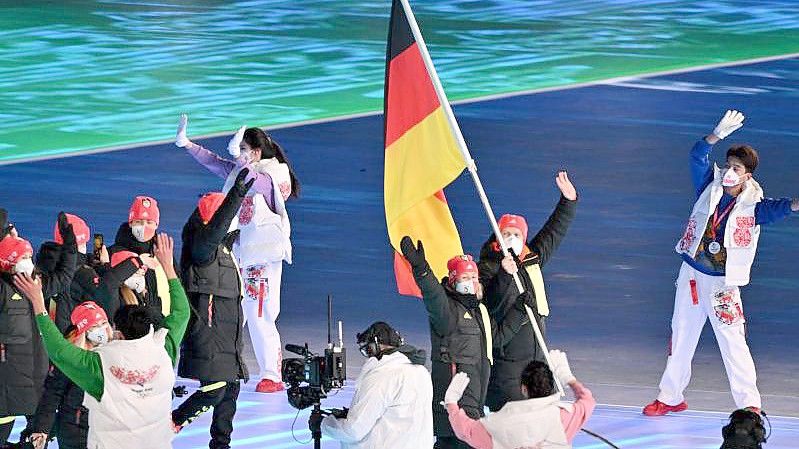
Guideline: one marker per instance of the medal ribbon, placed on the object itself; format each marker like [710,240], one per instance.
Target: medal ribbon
[714,224]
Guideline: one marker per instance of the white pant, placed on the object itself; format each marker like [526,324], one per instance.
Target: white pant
[710,298]
[261,306]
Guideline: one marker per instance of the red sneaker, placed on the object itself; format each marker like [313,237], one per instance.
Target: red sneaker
[753,409]
[269,386]
[658,408]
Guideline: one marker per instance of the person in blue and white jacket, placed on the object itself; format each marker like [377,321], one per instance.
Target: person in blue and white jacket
[717,249]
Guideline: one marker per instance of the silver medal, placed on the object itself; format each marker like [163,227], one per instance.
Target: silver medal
[714,247]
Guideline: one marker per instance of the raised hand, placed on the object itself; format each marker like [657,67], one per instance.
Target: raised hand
[565,185]
[456,388]
[32,289]
[414,255]
[165,253]
[242,185]
[731,121]
[67,233]
[180,139]
[233,147]
[560,367]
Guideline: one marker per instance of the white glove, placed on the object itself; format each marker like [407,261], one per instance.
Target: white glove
[731,121]
[180,139]
[560,367]
[235,141]
[456,388]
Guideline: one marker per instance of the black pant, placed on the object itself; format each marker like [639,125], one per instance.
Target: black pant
[222,397]
[5,431]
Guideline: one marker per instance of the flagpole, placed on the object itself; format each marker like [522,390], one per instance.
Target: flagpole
[471,166]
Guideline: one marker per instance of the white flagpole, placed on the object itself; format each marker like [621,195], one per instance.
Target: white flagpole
[471,166]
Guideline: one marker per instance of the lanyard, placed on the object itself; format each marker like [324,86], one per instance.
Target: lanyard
[717,219]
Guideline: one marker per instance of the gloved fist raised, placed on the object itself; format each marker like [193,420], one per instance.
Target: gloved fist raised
[233,147]
[180,138]
[241,185]
[731,121]
[456,388]
[559,366]
[66,231]
[414,255]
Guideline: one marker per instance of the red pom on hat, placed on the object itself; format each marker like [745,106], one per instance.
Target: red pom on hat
[12,249]
[121,256]
[79,227]
[144,208]
[209,204]
[514,221]
[459,265]
[86,315]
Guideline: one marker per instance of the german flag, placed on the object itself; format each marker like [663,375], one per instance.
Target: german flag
[422,156]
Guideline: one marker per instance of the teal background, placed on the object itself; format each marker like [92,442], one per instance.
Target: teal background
[79,75]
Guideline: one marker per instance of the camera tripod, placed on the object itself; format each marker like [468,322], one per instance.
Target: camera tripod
[315,425]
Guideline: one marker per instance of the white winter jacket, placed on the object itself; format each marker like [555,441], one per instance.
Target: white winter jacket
[390,409]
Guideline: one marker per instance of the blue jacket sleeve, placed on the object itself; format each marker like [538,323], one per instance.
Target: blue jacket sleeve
[770,210]
[701,172]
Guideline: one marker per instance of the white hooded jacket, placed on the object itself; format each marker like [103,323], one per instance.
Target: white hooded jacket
[390,409]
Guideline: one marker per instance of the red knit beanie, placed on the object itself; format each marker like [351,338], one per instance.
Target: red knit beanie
[79,227]
[144,208]
[12,249]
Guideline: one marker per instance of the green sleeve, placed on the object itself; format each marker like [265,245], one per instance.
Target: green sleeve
[177,320]
[81,366]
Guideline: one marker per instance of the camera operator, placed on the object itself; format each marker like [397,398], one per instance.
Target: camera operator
[462,334]
[541,421]
[211,351]
[391,405]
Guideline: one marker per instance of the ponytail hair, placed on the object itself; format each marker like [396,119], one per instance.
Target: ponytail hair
[258,138]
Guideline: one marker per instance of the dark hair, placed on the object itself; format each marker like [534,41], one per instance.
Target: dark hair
[134,321]
[258,138]
[538,379]
[747,155]
[745,431]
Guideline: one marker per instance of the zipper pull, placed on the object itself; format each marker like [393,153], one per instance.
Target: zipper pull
[2,352]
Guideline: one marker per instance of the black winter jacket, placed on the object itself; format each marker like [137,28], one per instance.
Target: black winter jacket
[84,284]
[211,349]
[501,292]
[458,343]
[61,413]
[23,360]
[126,242]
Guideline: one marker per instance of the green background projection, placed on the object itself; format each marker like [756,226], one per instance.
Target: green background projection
[80,75]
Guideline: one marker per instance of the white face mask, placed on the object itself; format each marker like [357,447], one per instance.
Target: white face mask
[136,283]
[138,232]
[466,287]
[515,243]
[24,266]
[731,179]
[97,336]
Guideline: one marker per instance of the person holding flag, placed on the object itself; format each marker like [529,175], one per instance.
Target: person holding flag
[462,334]
[717,249]
[529,256]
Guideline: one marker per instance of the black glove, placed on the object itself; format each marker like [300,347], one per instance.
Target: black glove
[525,299]
[67,234]
[241,185]
[414,256]
[125,269]
[339,413]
